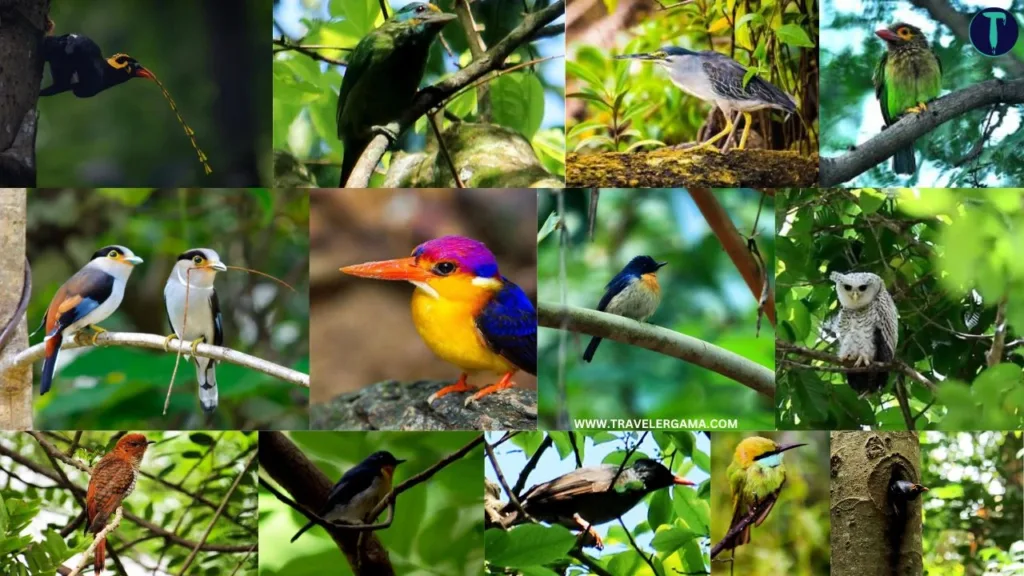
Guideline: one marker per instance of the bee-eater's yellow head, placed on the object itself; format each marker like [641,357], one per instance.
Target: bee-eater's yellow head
[761,450]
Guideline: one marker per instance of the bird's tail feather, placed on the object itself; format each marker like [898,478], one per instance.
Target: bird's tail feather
[302,531]
[588,354]
[206,375]
[101,555]
[903,161]
[52,348]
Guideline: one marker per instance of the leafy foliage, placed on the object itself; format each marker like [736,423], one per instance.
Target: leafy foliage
[772,38]
[306,87]
[673,533]
[703,296]
[974,506]
[947,156]
[106,388]
[948,259]
[35,505]
[438,525]
[794,539]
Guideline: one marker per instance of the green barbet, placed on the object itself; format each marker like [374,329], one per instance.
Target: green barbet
[906,78]
[756,476]
[382,76]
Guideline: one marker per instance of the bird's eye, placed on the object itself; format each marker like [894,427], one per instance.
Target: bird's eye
[421,9]
[862,288]
[112,254]
[904,33]
[444,268]
[847,287]
[197,259]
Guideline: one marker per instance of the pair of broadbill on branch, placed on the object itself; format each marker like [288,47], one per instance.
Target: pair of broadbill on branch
[93,293]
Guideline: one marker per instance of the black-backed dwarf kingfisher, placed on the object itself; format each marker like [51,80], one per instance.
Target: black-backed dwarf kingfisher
[87,298]
[467,313]
[78,65]
[358,492]
[634,293]
[199,321]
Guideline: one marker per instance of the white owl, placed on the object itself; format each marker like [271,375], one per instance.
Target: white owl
[868,327]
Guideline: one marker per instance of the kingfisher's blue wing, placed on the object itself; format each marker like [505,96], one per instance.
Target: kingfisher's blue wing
[617,284]
[508,324]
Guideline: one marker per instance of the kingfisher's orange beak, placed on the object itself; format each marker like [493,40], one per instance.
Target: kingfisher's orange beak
[400,269]
[682,481]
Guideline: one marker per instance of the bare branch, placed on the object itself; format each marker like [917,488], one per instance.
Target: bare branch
[662,340]
[896,365]
[155,342]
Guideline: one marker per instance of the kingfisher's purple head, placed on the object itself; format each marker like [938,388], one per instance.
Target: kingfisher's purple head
[452,267]
[452,255]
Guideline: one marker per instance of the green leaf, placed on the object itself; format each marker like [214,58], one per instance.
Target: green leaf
[517,101]
[794,35]
[528,545]
[670,539]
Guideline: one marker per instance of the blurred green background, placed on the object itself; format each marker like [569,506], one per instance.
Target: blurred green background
[703,296]
[947,257]
[211,57]
[974,508]
[438,524]
[794,539]
[121,387]
[946,156]
[529,101]
[620,105]
[36,506]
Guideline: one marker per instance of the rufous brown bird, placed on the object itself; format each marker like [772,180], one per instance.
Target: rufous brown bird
[113,479]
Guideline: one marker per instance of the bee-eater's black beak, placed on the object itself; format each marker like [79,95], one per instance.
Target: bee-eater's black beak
[154,442]
[783,447]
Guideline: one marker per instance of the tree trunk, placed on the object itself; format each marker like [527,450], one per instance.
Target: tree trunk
[868,538]
[15,384]
[22,26]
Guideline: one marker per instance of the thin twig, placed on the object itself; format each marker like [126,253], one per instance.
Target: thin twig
[531,464]
[220,510]
[637,548]
[444,151]
[114,522]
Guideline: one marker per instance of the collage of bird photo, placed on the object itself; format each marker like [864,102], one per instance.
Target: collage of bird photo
[512,288]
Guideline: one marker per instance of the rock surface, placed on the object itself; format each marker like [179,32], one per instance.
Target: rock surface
[391,405]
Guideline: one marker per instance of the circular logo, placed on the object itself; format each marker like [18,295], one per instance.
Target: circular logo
[994,31]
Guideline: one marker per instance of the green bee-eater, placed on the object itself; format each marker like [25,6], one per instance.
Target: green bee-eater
[756,476]
[382,76]
[906,78]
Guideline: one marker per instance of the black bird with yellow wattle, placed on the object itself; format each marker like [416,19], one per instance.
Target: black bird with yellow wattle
[594,495]
[358,492]
[77,64]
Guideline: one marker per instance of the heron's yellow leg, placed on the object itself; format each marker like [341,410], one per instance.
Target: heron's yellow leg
[746,131]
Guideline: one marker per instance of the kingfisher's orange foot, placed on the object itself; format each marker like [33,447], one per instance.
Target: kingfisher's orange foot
[460,386]
[505,382]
